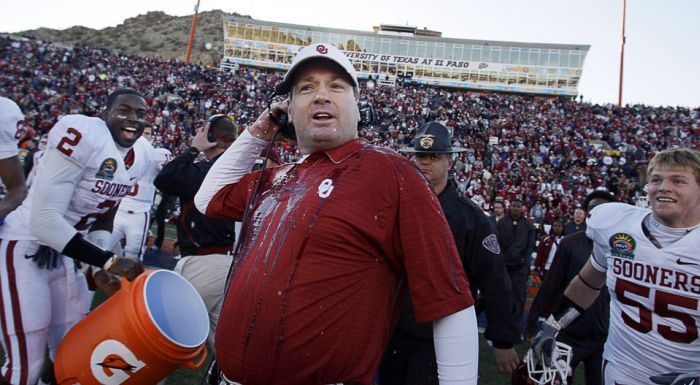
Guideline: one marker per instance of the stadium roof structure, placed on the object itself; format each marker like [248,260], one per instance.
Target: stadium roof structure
[404,53]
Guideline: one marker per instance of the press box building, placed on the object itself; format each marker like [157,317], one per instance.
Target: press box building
[399,53]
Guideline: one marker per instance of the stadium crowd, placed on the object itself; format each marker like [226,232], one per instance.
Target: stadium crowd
[546,149]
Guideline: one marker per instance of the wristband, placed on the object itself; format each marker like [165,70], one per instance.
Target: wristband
[567,311]
[85,251]
[110,262]
[501,345]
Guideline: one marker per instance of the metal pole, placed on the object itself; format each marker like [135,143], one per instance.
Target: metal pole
[194,27]
[622,52]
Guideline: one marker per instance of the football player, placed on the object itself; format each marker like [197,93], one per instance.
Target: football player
[650,263]
[88,167]
[11,172]
[133,217]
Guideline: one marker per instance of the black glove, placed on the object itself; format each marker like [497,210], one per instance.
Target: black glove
[45,257]
[677,379]
[545,342]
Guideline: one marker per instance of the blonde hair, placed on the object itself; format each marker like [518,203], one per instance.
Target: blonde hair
[681,158]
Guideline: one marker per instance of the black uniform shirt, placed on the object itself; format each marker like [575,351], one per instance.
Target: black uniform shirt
[196,234]
[517,238]
[480,254]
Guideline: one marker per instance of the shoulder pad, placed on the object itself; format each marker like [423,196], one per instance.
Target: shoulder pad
[610,213]
[78,137]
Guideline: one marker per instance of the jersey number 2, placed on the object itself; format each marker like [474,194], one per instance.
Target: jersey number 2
[66,141]
[663,301]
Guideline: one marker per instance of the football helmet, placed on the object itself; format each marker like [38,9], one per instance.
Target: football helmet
[531,372]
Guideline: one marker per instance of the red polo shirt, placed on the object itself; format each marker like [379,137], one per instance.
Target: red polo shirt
[313,297]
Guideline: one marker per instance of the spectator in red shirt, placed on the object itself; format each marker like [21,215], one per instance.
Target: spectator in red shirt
[333,242]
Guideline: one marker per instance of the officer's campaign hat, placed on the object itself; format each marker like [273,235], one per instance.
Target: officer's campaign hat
[433,138]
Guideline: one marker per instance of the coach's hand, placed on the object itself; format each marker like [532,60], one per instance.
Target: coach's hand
[267,124]
[108,283]
[677,379]
[200,141]
[126,267]
[506,360]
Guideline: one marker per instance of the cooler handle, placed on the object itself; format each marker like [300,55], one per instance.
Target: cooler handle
[202,351]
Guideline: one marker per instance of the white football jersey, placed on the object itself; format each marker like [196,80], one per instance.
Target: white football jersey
[655,293]
[106,175]
[10,115]
[140,197]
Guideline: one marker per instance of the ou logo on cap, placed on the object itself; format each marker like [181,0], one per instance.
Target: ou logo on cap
[321,49]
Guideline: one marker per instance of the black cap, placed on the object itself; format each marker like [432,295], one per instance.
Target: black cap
[600,194]
[433,138]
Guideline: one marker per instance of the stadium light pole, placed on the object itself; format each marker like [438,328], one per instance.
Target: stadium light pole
[622,52]
[194,26]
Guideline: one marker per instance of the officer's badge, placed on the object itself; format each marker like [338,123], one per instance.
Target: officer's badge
[490,243]
[107,169]
[426,141]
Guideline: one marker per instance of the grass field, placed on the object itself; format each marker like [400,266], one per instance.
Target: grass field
[488,374]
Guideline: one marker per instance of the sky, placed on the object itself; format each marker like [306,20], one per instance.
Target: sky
[661,52]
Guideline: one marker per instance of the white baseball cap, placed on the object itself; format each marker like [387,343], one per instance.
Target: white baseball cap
[318,50]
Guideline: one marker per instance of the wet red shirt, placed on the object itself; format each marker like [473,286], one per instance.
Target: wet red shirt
[332,242]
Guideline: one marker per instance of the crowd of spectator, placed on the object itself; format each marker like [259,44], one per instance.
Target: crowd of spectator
[538,149]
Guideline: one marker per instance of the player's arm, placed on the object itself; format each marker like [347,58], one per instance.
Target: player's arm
[456,340]
[579,295]
[584,289]
[12,177]
[233,164]
[101,235]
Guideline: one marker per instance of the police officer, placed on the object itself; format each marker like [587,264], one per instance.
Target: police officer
[410,357]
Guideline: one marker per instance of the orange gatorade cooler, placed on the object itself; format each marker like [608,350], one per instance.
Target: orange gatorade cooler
[150,327]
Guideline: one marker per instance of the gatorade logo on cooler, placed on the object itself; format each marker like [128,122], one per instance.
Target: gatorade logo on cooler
[112,363]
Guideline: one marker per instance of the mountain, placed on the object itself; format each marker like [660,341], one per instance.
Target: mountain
[153,34]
